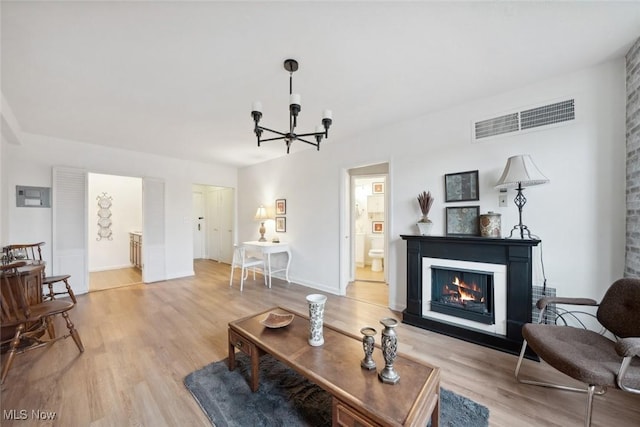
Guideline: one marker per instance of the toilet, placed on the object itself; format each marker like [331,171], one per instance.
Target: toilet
[376,253]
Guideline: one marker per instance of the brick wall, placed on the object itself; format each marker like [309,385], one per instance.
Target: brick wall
[632,260]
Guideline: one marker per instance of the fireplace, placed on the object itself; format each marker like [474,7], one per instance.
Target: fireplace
[507,292]
[463,293]
[470,316]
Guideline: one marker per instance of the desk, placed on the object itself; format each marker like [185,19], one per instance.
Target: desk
[268,248]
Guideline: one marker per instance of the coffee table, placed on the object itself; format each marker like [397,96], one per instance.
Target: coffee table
[359,397]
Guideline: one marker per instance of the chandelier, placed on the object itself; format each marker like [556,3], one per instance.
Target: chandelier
[291,65]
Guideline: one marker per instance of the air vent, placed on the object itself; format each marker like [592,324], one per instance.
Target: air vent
[524,120]
[548,115]
[497,126]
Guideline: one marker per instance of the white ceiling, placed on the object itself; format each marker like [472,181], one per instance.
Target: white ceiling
[178,78]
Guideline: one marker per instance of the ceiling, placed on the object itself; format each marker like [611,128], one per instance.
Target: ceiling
[178,78]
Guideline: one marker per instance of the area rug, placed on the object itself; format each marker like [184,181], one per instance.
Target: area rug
[285,398]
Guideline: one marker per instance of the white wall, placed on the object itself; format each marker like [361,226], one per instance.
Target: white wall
[3,195]
[579,215]
[126,216]
[30,164]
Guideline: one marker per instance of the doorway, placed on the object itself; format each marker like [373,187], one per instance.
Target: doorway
[368,202]
[114,215]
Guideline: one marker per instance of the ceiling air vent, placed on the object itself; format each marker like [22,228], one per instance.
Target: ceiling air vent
[524,120]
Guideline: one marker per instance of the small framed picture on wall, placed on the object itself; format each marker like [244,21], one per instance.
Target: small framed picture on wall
[377,188]
[281,224]
[377,226]
[281,206]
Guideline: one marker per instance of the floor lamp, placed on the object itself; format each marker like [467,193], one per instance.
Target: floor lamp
[520,172]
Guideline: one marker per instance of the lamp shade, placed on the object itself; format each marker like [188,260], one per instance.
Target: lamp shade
[521,170]
[261,214]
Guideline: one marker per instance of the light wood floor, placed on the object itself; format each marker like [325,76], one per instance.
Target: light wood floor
[142,340]
[365,273]
[109,279]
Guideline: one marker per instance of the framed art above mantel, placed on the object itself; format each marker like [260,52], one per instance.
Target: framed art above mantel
[461,186]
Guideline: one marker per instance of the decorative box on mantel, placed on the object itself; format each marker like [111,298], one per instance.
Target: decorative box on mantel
[473,288]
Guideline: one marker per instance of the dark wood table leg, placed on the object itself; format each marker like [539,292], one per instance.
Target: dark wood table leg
[232,354]
[255,364]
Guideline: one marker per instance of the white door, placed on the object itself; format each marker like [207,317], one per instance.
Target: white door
[198,225]
[226,225]
[219,211]
[153,231]
[69,217]
[346,246]
[213,231]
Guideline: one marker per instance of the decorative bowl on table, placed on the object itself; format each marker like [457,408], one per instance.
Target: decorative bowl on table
[277,320]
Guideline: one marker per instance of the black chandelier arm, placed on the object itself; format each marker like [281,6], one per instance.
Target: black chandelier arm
[271,130]
[273,139]
[310,134]
[315,144]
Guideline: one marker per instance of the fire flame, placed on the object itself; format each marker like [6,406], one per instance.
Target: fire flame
[462,289]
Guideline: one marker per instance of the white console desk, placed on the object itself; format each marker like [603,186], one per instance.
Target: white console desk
[268,248]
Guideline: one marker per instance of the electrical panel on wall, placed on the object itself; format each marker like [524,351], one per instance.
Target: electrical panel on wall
[33,197]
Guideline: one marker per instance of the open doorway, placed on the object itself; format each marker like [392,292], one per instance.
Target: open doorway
[114,244]
[368,234]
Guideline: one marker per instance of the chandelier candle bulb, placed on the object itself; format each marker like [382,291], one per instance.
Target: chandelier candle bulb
[294,99]
[257,106]
[327,114]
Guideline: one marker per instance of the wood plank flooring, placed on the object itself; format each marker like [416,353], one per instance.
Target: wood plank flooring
[365,273]
[142,340]
[109,279]
[372,292]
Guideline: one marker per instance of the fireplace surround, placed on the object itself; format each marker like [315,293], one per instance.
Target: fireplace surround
[514,254]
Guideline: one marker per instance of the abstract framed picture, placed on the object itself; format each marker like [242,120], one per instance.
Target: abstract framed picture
[463,221]
[281,206]
[377,227]
[281,224]
[461,186]
[377,188]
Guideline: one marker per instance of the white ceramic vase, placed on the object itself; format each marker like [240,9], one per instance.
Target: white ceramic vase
[424,228]
[316,317]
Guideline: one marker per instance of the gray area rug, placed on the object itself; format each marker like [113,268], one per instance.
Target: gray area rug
[285,398]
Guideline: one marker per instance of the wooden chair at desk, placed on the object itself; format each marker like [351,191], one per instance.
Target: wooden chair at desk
[24,324]
[33,252]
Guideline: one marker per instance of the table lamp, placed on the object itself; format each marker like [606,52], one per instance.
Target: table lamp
[520,172]
[262,216]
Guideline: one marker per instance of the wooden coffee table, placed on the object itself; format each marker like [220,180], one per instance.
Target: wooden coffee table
[359,397]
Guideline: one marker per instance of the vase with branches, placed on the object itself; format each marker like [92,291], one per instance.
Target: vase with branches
[425,201]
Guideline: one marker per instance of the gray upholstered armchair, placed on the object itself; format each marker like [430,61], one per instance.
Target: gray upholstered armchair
[588,356]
